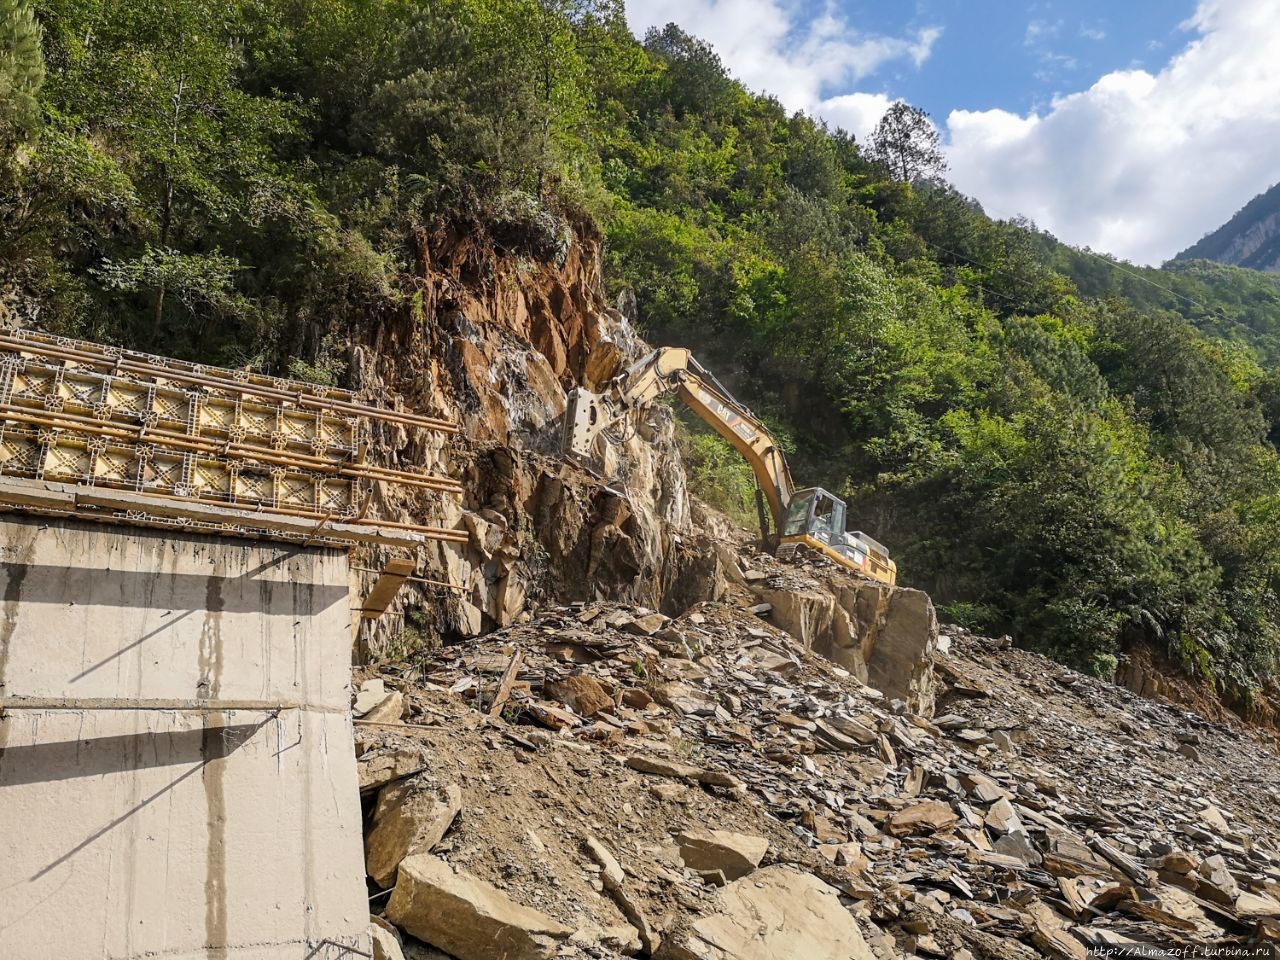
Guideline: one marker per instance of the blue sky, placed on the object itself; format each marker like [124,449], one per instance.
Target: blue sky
[1131,126]
[1014,56]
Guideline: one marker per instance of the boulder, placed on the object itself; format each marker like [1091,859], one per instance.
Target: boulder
[582,694]
[467,917]
[733,854]
[928,817]
[388,710]
[386,941]
[776,912]
[901,652]
[408,820]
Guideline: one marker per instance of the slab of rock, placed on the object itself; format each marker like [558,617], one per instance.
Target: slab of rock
[1257,905]
[377,770]
[1002,818]
[372,692]
[582,694]
[408,820]
[928,817]
[1018,845]
[664,768]
[386,941]
[733,854]
[389,710]
[900,654]
[467,917]
[1178,862]
[776,912]
[611,870]
[647,625]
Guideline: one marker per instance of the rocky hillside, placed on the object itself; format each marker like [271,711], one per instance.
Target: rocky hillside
[501,327]
[1249,239]
[606,781]
[630,734]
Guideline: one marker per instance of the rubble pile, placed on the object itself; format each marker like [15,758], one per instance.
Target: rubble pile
[604,780]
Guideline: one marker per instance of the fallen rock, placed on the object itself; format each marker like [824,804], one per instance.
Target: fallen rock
[389,710]
[928,817]
[1256,905]
[611,870]
[386,940]
[466,917]
[776,912]
[375,771]
[1002,818]
[733,854]
[408,820]
[372,692]
[664,768]
[582,694]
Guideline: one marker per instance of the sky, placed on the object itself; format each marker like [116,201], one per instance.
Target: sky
[1132,127]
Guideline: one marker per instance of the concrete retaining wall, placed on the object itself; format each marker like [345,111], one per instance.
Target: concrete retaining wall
[164,832]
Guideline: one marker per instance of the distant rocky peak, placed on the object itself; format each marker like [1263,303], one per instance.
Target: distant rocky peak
[1249,239]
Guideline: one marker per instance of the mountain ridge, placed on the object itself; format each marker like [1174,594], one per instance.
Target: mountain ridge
[1251,238]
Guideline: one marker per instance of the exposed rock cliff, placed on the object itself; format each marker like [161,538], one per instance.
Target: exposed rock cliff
[497,332]
[1250,239]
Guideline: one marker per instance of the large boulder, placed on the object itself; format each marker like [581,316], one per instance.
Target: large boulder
[776,912]
[410,818]
[466,917]
[899,651]
[885,636]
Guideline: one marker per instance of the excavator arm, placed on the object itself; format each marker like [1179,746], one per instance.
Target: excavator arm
[674,370]
[813,517]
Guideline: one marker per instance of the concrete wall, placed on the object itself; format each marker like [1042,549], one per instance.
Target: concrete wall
[163,832]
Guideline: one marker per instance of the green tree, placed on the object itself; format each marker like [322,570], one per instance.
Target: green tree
[21,71]
[906,141]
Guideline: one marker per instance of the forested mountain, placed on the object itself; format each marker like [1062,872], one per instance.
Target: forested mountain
[1041,437]
[1249,239]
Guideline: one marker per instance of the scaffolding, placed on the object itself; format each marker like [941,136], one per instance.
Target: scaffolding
[98,431]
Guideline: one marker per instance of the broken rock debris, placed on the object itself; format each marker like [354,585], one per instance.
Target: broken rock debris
[689,787]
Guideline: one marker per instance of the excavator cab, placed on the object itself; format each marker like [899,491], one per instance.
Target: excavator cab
[815,518]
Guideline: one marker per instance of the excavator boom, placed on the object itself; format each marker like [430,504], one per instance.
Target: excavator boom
[811,517]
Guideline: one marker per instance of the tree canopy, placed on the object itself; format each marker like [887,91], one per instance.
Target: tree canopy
[1055,444]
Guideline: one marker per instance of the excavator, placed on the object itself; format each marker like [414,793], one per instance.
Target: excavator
[810,517]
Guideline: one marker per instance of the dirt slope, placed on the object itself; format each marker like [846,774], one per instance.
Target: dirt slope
[1037,811]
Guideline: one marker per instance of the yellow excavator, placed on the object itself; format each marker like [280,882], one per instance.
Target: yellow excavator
[811,517]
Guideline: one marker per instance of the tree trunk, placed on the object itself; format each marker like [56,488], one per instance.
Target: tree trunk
[166,211]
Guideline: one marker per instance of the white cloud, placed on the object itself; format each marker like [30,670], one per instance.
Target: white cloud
[1040,31]
[1140,164]
[808,66]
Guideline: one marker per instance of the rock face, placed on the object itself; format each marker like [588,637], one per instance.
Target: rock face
[408,820]
[497,338]
[466,917]
[1250,239]
[776,912]
[885,636]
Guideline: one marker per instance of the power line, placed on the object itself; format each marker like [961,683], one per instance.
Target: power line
[1138,276]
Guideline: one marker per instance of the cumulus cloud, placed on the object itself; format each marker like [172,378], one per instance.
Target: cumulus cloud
[807,64]
[1140,164]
